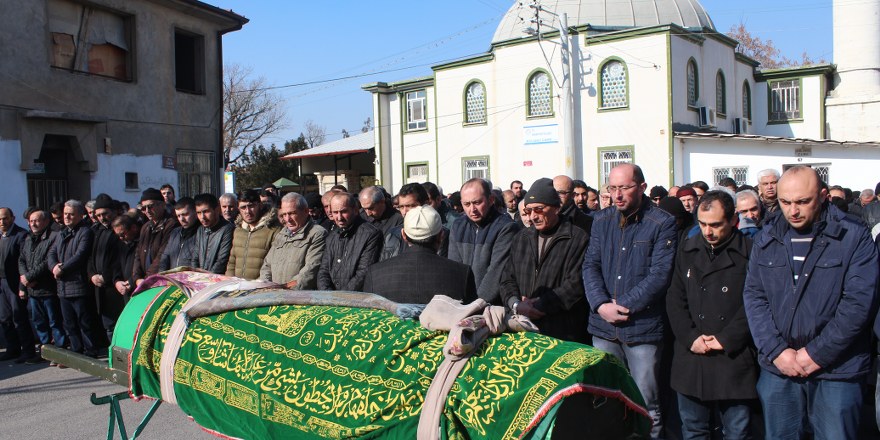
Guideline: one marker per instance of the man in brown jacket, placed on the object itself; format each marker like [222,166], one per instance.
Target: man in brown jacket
[252,240]
[154,235]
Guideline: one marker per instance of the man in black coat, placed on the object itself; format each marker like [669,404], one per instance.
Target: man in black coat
[104,262]
[37,282]
[542,279]
[418,273]
[351,247]
[714,365]
[13,309]
[127,230]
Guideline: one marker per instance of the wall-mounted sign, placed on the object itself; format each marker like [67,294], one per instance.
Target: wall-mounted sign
[541,134]
[37,168]
[169,162]
[803,151]
[229,182]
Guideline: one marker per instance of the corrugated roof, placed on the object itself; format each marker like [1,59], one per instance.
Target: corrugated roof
[773,139]
[359,143]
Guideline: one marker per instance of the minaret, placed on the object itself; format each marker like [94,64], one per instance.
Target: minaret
[856,48]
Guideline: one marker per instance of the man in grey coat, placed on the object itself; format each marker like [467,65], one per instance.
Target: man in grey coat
[214,237]
[295,256]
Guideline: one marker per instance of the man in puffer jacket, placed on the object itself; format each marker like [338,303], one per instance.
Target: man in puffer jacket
[37,281]
[252,240]
[68,259]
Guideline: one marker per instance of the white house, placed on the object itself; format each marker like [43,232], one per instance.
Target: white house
[650,82]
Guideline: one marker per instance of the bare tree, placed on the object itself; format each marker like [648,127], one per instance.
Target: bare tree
[765,52]
[314,134]
[250,112]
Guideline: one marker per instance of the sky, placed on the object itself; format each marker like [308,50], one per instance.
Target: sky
[295,42]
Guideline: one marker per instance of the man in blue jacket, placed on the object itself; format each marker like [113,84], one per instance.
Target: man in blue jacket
[626,271]
[810,299]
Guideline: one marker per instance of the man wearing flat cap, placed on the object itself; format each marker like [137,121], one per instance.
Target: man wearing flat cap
[542,278]
[104,262]
[154,235]
[418,273]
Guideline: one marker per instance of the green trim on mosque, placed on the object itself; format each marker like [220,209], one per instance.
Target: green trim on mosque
[610,59]
[794,72]
[464,112]
[478,59]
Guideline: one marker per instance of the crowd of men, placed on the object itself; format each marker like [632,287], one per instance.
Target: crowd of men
[743,309]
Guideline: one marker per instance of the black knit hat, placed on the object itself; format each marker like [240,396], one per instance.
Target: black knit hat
[314,201]
[104,201]
[542,191]
[658,192]
[153,195]
[673,206]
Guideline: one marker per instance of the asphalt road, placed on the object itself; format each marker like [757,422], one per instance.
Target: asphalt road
[43,402]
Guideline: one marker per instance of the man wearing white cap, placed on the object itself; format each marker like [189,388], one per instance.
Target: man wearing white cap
[418,273]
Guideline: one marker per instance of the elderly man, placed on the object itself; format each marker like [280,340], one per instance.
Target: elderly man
[154,235]
[565,188]
[714,366]
[229,207]
[767,181]
[214,237]
[870,208]
[295,256]
[351,247]
[68,259]
[37,282]
[481,238]
[604,197]
[749,209]
[104,262]
[688,198]
[252,240]
[524,214]
[418,273]
[810,300]
[376,210]
[13,309]
[626,272]
[181,248]
[542,280]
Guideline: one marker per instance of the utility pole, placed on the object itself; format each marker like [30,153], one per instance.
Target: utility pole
[569,143]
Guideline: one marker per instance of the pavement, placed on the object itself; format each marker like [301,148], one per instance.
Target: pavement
[43,402]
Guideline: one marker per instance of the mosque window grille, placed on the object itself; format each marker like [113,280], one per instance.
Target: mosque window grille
[720,94]
[785,100]
[612,157]
[747,101]
[475,167]
[739,174]
[475,103]
[693,83]
[540,97]
[614,85]
[416,106]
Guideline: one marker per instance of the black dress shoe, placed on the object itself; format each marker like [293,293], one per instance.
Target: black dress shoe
[8,356]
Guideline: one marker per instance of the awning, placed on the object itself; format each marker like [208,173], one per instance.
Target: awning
[359,143]
[284,182]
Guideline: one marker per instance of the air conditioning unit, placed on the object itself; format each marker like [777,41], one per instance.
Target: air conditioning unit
[707,117]
[740,125]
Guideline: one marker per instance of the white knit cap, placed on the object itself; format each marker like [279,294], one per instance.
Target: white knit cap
[421,223]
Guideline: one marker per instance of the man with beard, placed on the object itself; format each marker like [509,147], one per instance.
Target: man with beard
[104,262]
[229,207]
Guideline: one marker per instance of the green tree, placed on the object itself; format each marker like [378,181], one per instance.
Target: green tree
[264,165]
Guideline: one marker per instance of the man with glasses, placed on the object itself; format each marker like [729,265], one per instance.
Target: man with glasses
[542,279]
[564,187]
[626,272]
[154,235]
[481,238]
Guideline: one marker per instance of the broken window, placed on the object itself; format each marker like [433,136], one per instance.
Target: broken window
[189,62]
[90,40]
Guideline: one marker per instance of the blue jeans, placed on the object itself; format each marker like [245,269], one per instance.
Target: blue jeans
[695,415]
[830,407]
[643,361]
[47,320]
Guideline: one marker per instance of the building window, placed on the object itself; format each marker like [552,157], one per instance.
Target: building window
[189,62]
[131,182]
[693,83]
[720,94]
[417,173]
[91,40]
[195,173]
[747,101]
[785,100]
[540,99]
[613,83]
[473,167]
[612,157]
[475,103]
[738,174]
[415,110]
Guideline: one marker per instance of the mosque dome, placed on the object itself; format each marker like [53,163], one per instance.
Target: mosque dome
[605,13]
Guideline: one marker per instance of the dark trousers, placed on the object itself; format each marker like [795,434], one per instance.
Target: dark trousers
[110,305]
[695,415]
[14,321]
[47,320]
[82,326]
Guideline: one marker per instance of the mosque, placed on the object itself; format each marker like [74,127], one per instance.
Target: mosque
[576,87]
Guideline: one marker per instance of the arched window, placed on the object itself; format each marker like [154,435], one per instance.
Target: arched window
[475,103]
[720,93]
[540,99]
[747,101]
[613,82]
[693,83]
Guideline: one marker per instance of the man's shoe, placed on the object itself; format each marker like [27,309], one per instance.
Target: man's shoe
[34,360]
[8,356]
